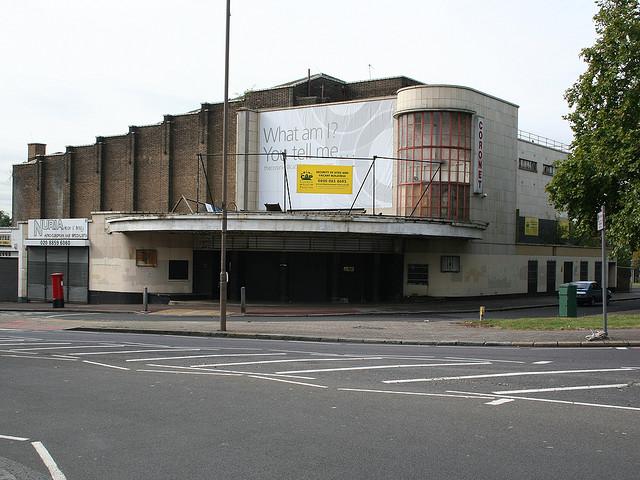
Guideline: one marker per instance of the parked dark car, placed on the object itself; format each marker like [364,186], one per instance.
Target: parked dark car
[589,293]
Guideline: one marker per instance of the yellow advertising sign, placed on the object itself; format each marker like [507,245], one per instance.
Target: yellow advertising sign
[332,179]
[563,225]
[531,226]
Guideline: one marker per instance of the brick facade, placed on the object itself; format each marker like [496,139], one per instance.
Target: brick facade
[85,181]
[151,170]
[151,167]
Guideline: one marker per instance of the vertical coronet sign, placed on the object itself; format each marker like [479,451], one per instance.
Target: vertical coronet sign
[478,153]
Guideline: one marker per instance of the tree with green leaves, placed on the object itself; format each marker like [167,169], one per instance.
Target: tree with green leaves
[603,167]
[5,219]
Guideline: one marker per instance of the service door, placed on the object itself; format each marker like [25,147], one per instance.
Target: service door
[551,277]
[568,272]
[532,277]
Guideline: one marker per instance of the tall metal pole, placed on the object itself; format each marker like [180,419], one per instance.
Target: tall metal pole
[603,241]
[225,148]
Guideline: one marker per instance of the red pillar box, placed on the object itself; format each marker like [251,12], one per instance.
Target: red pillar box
[57,287]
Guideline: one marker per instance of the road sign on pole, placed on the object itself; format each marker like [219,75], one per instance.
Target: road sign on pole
[601,219]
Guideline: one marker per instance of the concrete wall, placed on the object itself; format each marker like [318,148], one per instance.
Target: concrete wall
[247,165]
[112,260]
[533,200]
[488,271]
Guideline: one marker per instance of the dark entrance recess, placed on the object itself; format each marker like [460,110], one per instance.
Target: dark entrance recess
[206,273]
[551,277]
[584,270]
[301,276]
[532,277]
[9,275]
[568,272]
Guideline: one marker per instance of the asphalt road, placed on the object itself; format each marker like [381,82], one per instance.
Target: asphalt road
[118,406]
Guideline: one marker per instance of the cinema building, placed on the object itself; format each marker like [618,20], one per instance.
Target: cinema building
[369,191]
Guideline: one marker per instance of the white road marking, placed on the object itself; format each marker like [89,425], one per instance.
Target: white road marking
[541,362]
[40,358]
[192,373]
[141,351]
[33,343]
[288,361]
[17,439]
[205,356]
[621,348]
[376,367]
[105,365]
[306,352]
[229,371]
[288,381]
[562,389]
[511,374]
[61,348]
[56,473]
[548,400]
[493,360]
[499,401]
[422,394]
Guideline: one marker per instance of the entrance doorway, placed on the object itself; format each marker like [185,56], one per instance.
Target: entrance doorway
[206,273]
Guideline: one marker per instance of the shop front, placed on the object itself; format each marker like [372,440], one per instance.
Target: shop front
[58,246]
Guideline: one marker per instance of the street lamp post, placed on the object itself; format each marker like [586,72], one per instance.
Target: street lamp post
[604,273]
[225,147]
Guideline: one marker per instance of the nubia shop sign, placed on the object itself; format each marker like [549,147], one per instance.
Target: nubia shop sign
[478,154]
[58,232]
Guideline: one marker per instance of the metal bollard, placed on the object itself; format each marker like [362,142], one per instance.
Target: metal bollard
[243,300]
[145,299]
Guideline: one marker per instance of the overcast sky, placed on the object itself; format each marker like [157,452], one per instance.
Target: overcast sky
[76,69]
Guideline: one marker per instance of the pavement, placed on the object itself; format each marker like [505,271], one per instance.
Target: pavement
[403,323]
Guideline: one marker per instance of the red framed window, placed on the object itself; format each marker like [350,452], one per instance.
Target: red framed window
[434,172]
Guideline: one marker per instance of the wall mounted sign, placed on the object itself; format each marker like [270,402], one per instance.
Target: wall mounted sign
[338,135]
[58,229]
[478,154]
[531,226]
[331,179]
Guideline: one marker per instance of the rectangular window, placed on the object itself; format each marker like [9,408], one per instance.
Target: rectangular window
[548,170]
[450,263]
[418,274]
[528,165]
[146,258]
[178,269]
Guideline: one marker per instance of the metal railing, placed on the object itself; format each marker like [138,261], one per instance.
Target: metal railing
[544,141]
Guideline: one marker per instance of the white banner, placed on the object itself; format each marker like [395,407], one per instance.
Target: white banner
[316,136]
[478,154]
[58,228]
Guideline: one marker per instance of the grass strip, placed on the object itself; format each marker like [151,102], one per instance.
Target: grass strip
[592,322]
